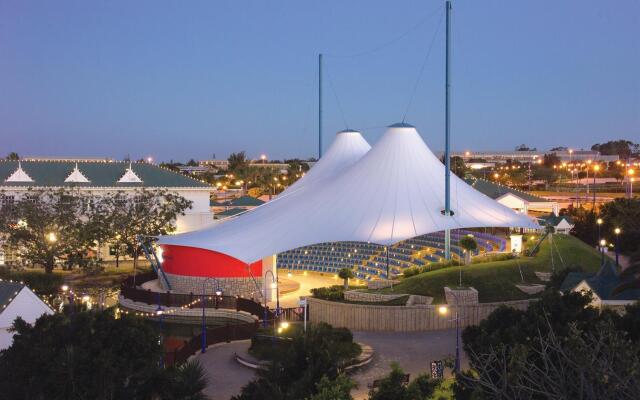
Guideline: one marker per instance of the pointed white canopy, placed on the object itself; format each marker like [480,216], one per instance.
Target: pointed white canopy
[77,176]
[348,147]
[130,176]
[395,192]
[19,175]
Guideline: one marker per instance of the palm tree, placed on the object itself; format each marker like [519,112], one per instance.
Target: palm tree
[469,244]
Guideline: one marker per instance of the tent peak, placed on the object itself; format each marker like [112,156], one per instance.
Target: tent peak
[401,125]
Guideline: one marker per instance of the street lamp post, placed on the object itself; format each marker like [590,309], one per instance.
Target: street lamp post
[596,168]
[203,343]
[443,311]
[274,285]
[602,244]
[160,314]
[617,232]
[599,222]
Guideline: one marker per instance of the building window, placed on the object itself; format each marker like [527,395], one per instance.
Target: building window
[6,200]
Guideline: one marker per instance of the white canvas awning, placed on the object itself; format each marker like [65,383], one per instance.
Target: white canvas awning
[394,192]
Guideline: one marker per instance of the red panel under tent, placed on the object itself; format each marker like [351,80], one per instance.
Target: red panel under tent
[193,261]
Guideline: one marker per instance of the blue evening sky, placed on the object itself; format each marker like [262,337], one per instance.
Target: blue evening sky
[182,79]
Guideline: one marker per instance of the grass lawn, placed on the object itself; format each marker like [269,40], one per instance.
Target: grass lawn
[495,281]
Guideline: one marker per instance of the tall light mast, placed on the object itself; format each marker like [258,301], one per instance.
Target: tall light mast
[447,134]
[319,106]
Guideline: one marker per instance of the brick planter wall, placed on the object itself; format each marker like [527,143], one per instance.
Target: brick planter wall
[245,287]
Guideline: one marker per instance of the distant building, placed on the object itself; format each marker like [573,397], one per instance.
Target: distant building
[515,199]
[217,164]
[17,300]
[584,155]
[234,206]
[530,156]
[560,223]
[609,287]
[196,170]
[94,178]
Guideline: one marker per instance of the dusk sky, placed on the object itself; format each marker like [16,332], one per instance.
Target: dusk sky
[176,80]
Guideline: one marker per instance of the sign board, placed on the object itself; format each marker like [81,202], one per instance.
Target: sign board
[437,369]
[302,302]
[516,244]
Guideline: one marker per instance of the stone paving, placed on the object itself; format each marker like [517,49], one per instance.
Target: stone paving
[413,351]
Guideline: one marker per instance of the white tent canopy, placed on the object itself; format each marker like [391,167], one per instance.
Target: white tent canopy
[394,192]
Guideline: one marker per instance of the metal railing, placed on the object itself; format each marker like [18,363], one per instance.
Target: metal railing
[216,335]
[191,300]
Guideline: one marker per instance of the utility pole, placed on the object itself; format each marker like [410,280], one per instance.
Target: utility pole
[319,106]
[447,150]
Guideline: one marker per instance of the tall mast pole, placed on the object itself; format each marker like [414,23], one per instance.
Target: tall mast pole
[319,105]
[447,134]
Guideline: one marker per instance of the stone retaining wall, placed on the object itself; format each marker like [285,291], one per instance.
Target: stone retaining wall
[360,317]
[355,295]
[380,284]
[461,296]
[245,287]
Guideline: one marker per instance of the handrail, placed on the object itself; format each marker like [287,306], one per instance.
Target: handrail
[189,300]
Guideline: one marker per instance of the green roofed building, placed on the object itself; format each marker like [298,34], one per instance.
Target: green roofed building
[515,199]
[94,177]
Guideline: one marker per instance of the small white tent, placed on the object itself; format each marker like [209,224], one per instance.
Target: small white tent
[394,192]
[346,149]
[17,300]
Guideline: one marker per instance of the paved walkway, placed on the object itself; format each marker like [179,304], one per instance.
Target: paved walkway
[224,374]
[413,351]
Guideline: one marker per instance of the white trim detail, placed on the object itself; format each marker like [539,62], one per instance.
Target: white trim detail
[19,175]
[77,176]
[130,176]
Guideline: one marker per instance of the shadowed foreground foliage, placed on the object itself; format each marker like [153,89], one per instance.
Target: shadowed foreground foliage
[92,355]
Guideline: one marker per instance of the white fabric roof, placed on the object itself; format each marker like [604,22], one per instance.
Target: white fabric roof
[348,147]
[394,192]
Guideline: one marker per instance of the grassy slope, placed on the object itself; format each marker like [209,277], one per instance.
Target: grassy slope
[496,281]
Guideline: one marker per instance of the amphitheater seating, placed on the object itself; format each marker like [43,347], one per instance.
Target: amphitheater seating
[369,260]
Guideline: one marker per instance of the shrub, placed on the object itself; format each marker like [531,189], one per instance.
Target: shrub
[492,257]
[411,271]
[331,293]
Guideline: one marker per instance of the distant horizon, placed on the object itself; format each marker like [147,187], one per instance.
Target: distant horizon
[153,78]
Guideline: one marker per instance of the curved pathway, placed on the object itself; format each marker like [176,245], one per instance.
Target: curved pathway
[414,351]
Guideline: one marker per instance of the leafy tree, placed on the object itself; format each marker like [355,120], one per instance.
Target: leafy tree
[559,148]
[469,244]
[13,156]
[295,371]
[91,355]
[599,363]
[623,214]
[45,226]
[345,274]
[337,389]
[145,213]
[237,162]
[192,163]
[524,147]
[621,147]
[393,387]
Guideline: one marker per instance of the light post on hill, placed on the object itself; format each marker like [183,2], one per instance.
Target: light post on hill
[596,168]
[204,304]
[599,222]
[603,243]
[617,232]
